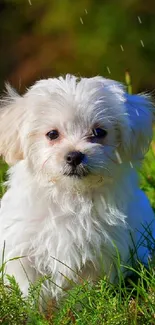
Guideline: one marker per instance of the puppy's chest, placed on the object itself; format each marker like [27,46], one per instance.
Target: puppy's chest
[70,236]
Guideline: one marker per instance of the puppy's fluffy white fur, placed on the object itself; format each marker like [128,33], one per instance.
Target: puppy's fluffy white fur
[65,225]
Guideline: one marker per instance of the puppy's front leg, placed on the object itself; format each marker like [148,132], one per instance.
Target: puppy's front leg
[23,273]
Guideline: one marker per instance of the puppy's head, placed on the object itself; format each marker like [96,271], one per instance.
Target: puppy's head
[75,131]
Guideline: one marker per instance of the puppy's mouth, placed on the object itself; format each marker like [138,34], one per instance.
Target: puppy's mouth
[77,172]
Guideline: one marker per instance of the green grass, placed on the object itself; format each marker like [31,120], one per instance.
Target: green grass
[147,175]
[129,302]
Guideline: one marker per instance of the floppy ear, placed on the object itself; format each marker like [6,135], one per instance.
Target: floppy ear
[140,111]
[135,123]
[11,116]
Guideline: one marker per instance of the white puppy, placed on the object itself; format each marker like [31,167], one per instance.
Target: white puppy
[73,199]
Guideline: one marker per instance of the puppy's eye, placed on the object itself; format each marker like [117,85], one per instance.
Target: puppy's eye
[52,135]
[99,133]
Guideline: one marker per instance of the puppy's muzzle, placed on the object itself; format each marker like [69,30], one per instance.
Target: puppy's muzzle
[75,166]
[75,158]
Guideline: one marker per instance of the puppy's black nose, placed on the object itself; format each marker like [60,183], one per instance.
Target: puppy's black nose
[74,158]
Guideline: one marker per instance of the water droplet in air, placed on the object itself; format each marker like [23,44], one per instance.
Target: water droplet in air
[118,157]
[139,19]
[142,43]
[108,70]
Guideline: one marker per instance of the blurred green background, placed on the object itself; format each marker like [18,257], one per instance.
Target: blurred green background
[42,38]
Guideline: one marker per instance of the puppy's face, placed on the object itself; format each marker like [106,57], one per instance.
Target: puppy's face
[73,131]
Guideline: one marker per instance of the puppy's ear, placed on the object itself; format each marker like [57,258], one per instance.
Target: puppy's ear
[140,111]
[11,117]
